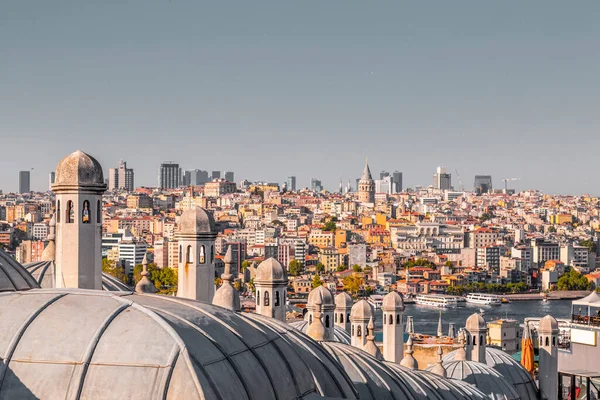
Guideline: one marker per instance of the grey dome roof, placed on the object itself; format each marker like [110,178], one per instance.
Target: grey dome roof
[343,300]
[339,334]
[270,270]
[393,301]
[378,380]
[548,324]
[44,272]
[131,346]
[79,169]
[475,323]
[361,310]
[13,276]
[485,378]
[322,294]
[509,368]
[196,220]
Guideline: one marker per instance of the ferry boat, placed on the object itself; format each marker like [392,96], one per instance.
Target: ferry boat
[484,299]
[436,300]
[376,300]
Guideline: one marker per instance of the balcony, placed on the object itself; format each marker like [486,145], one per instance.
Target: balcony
[586,320]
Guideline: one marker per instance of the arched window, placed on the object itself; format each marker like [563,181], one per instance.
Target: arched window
[547,341]
[99,212]
[348,317]
[358,333]
[474,340]
[69,213]
[188,254]
[468,340]
[266,303]
[553,340]
[336,318]
[85,213]
[352,330]
[384,319]
[327,321]
[391,319]
[341,317]
[201,256]
[57,211]
[481,340]
[212,254]
[258,297]
[277,299]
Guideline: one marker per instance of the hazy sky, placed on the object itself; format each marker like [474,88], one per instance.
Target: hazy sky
[307,88]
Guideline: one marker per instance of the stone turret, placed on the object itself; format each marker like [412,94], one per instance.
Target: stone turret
[476,330]
[343,305]
[366,186]
[393,331]
[271,285]
[548,345]
[360,315]
[325,298]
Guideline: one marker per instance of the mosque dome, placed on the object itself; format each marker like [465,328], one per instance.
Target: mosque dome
[44,272]
[361,310]
[485,378]
[322,294]
[13,276]
[130,346]
[548,324]
[339,333]
[509,368]
[475,323]
[343,300]
[393,301]
[270,270]
[196,220]
[79,169]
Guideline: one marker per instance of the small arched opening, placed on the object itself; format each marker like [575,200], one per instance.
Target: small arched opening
[85,213]
[327,321]
[69,213]
[266,302]
[258,298]
[57,210]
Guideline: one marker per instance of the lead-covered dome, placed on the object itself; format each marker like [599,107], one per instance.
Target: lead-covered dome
[548,324]
[321,294]
[270,270]
[79,169]
[13,276]
[362,310]
[343,300]
[131,346]
[393,302]
[339,334]
[475,323]
[196,220]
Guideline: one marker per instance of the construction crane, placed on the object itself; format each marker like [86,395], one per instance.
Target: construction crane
[506,180]
[462,187]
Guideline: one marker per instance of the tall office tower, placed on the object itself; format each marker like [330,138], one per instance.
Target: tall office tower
[366,186]
[384,185]
[397,182]
[121,178]
[316,185]
[291,183]
[483,184]
[24,182]
[441,179]
[199,177]
[216,175]
[169,175]
[229,176]
[383,174]
[186,179]
[51,179]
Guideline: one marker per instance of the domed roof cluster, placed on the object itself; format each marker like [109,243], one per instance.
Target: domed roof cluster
[339,334]
[270,270]
[196,220]
[13,276]
[179,348]
[79,169]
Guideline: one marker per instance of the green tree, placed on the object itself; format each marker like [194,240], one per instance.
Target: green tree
[245,265]
[295,268]
[590,244]
[341,268]
[552,229]
[330,226]
[353,283]
[357,268]
[111,268]
[319,267]
[165,279]
[573,280]
[448,264]
[316,282]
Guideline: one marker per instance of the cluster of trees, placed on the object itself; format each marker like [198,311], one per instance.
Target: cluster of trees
[419,262]
[295,268]
[573,280]
[353,284]
[488,288]
[590,244]
[165,279]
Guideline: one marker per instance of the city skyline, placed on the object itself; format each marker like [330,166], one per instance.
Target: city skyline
[496,89]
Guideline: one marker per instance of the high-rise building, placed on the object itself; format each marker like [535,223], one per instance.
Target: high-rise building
[169,175]
[24,182]
[186,179]
[216,175]
[51,179]
[195,177]
[316,185]
[441,179]
[229,176]
[291,183]
[384,185]
[366,186]
[397,182]
[121,178]
[383,174]
[483,184]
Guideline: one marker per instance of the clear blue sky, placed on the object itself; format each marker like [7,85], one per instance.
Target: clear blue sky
[307,88]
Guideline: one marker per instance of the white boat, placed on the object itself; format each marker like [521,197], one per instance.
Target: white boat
[484,299]
[436,300]
[376,300]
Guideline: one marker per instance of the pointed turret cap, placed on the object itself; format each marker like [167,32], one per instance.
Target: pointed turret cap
[370,347]
[440,332]
[316,329]
[439,367]
[145,285]
[409,361]
[366,176]
[227,296]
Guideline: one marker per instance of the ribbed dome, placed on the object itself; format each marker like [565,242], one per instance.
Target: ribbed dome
[13,276]
[44,272]
[322,294]
[509,368]
[196,220]
[393,302]
[339,334]
[485,378]
[475,322]
[130,346]
[548,324]
[343,300]
[270,270]
[361,310]
[79,169]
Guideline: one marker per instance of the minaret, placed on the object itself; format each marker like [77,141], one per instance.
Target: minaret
[271,284]
[476,331]
[79,186]
[393,331]
[196,272]
[145,285]
[371,347]
[440,331]
[227,296]
[325,298]
[410,325]
[360,315]
[343,305]
[366,186]
[409,360]
[548,341]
